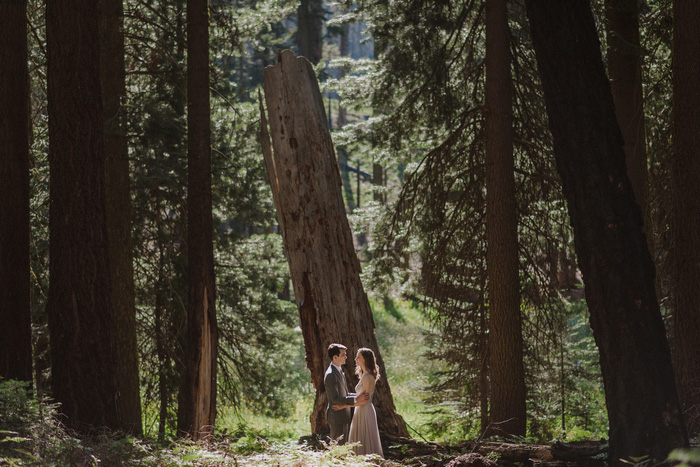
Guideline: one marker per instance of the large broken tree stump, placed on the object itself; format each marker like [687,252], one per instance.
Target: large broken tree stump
[325,270]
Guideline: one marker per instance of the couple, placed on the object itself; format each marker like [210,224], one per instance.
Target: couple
[364,424]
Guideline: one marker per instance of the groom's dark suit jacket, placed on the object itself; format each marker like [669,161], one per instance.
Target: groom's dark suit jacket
[337,393]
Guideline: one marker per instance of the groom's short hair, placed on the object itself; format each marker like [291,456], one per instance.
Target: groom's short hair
[334,350]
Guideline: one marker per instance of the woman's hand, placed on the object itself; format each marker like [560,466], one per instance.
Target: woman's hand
[337,407]
[361,399]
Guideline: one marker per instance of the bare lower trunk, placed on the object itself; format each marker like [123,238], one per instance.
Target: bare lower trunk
[507,413]
[325,270]
[79,306]
[118,199]
[15,312]
[199,396]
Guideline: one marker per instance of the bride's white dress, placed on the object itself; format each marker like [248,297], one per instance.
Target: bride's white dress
[364,422]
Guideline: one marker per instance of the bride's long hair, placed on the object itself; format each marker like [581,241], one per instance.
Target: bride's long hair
[370,363]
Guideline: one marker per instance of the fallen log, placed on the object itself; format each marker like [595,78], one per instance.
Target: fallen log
[412,452]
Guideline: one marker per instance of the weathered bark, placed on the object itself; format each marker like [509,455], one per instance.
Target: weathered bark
[199,396]
[685,174]
[310,29]
[15,312]
[325,270]
[507,408]
[81,319]
[625,65]
[112,79]
[641,398]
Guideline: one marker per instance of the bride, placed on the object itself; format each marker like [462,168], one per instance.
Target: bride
[363,428]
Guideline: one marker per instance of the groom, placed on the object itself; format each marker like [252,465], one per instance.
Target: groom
[337,393]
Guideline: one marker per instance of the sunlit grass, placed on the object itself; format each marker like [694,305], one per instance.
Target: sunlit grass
[400,334]
[294,426]
[399,330]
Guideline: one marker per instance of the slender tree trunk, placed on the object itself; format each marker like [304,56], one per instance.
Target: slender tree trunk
[81,319]
[507,414]
[200,385]
[685,173]
[15,310]
[484,371]
[640,392]
[161,339]
[344,49]
[378,182]
[625,65]
[342,120]
[325,270]
[112,78]
[310,29]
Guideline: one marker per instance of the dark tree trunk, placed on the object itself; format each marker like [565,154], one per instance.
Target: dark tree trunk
[507,412]
[15,311]
[112,78]
[81,320]
[161,342]
[310,29]
[199,395]
[640,392]
[685,174]
[483,371]
[378,182]
[625,65]
[325,270]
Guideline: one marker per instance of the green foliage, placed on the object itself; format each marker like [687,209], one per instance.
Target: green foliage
[417,110]
[262,359]
[15,403]
[685,457]
[254,324]
[569,402]
[425,94]
[31,436]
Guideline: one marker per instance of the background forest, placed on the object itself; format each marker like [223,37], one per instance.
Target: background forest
[136,216]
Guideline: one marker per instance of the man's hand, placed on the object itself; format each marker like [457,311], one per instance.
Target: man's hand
[364,397]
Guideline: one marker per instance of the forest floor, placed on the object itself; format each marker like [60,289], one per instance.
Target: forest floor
[479,453]
[40,449]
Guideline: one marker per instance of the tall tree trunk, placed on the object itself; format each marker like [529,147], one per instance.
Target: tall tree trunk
[200,385]
[507,412]
[81,320]
[325,270]
[112,79]
[635,361]
[625,65]
[685,174]
[15,310]
[310,29]
[342,120]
